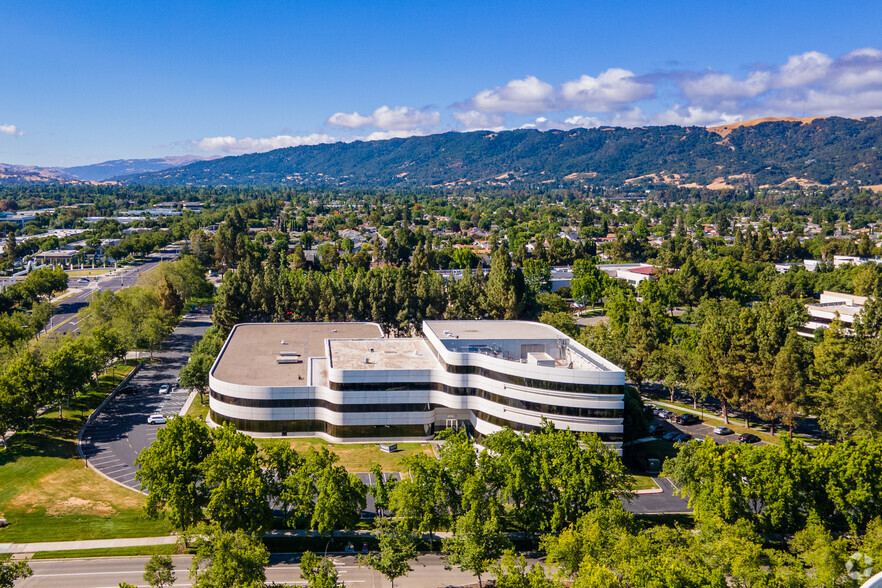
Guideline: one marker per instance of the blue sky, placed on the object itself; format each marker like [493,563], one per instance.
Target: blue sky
[87,82]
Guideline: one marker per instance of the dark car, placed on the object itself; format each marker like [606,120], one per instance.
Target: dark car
[748,438]
[671,435]
[656,431]
[682,438]
[129,390]
[687,419]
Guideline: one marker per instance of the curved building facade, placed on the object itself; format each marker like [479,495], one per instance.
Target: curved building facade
[346,382]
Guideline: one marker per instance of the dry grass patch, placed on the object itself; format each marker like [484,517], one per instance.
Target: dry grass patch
[75,489]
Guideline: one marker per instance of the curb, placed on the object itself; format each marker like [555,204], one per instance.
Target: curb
[91,418]
[188,403]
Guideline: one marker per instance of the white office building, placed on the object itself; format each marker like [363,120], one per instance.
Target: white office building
[833,306]
[347,382]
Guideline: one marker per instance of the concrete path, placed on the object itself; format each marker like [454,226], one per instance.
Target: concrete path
[86,544]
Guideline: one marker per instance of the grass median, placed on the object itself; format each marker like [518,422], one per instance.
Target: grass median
[48,494]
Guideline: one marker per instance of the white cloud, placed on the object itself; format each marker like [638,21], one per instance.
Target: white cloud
[11,130]
[689,116]
[527,96]
[726,86]
[236,146]
[607,92]
[400,118]
[395,134]
[803,69]
[473,120]
[586,122]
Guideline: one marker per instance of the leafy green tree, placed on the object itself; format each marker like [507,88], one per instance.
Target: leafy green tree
[10,571]
[854,407]
[790,379]
[476,544]
[195,374]
[229,558]
[824,556]
[28,380]
[159,571]
[171,472]
[562,321]
[238,493]
[588,282]
[397,548]
[11,248]
[418,500]
[511,572]
[319,572]
[381,490]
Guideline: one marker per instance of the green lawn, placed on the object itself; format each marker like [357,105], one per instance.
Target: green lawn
[357,457]
[197,409]
[172,549]
[48,494]
[643,482]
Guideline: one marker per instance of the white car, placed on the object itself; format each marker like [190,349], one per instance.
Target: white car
[723,431]
[156,419]
[165,389]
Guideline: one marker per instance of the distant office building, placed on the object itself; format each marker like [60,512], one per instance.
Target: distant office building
[832,306]
[347,382]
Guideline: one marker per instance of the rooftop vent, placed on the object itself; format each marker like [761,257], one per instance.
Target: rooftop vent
[284,342]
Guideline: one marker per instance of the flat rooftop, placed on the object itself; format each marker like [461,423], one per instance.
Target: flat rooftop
[382,354]
[497,330]
[250,355]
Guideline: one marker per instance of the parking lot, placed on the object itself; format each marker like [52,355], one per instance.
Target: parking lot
[120,431]
[699,430]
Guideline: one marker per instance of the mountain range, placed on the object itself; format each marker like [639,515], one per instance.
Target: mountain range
[765,152]
[94,173]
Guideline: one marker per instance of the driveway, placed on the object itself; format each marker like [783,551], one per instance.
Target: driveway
[120,431]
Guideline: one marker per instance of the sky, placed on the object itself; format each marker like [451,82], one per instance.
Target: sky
[84,82]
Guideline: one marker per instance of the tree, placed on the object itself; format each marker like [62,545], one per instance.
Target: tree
[397,548]
[502,300]
[511,572]
[11,248]
[171,472]
[319,572]
[159,571]
[723,347]
[28,379]
[169,298]
[417,501]
[588,282]
[476,544]
[381,490]
[238,492]
[225,559]
[195,374]
[10,571]
[790,379]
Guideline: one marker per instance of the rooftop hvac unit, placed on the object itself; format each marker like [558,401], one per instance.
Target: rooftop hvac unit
[288,359]
[289,354]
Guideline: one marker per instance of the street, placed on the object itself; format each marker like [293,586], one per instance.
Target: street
[428,572]
[68,308]
[120,431]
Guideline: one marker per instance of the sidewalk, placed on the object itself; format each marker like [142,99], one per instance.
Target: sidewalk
[6,548]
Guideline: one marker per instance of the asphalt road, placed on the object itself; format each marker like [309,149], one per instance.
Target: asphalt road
[68,308]
[120,431]
[428,572]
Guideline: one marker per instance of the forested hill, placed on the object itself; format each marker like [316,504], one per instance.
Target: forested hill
[825,151]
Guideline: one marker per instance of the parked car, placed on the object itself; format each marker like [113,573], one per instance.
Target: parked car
[156,419]
[748,438]
[665,414]
[83,281]
[658,432]
[671,435]
[129,390]
[687,419]
[682,438]
[165,389]
[723,430]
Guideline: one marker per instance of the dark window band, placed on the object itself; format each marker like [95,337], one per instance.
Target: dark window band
[315,426]
[531,382]
[361,431]
[607,413]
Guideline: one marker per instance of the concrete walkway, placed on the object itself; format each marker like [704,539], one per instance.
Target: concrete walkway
[87,544]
